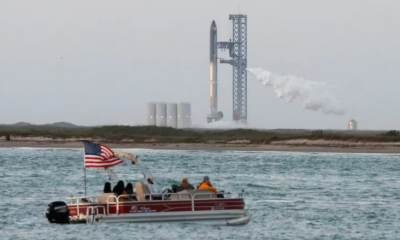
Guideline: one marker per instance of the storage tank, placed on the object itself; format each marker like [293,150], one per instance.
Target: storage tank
[151,114]
[352,124]
[161,113]
[184,115]
[172,115]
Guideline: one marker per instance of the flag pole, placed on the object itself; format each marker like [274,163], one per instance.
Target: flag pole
[84,169]
[85,179]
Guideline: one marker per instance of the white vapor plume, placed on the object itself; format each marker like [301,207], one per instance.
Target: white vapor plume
[316,96]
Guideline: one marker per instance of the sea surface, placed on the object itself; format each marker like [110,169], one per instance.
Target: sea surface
[290,195]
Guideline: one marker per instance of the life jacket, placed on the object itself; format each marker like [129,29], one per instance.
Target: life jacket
[204,185]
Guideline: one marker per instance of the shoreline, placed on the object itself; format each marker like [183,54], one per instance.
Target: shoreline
[277,146]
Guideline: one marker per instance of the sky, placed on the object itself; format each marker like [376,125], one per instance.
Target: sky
[99,62]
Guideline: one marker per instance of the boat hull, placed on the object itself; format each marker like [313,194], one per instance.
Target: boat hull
[228,217]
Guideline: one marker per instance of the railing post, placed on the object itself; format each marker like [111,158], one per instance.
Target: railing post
[193,197]
[108,203]
[77,206]
[118,205]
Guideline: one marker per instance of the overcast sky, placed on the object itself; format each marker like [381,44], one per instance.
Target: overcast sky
[99,62]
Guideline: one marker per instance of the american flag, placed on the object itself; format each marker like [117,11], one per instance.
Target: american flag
[99,156]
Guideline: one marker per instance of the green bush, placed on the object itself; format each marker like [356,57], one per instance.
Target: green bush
[391,133]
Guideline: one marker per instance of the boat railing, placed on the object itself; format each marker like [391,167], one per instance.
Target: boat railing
[112,199]
[84,199]
[199,194]
[192,197]
[81,201]
[92,213]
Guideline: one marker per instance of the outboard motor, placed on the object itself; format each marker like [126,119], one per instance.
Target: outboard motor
[58,212]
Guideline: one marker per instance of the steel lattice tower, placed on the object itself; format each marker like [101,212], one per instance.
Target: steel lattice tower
[238,51]
[239,66]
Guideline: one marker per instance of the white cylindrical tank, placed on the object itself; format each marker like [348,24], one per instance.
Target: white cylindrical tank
[161,113]
[353,124]
[172,114]
[184,115]
[151,114]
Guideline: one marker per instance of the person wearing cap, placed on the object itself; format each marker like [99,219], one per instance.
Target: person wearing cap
[206,184]
[185,185]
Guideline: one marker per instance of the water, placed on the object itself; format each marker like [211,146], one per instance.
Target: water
[291,195]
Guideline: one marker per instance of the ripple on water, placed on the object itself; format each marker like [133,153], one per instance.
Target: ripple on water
[291,195]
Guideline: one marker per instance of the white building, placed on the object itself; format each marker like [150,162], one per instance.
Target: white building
[353,125]
[184,115]
[172,115]
[151,114]
[169,115]
[161,114]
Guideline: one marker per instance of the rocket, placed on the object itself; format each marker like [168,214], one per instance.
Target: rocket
[213,69]
[214,115]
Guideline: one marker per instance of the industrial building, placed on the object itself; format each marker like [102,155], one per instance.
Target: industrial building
[161,114]
[151,114]
[175,115]
[353,125]
[184,115]
[172,114]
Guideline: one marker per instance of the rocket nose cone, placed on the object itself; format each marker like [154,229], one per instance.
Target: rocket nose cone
[213,26]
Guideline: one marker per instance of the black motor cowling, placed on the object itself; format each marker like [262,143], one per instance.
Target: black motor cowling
[58,212]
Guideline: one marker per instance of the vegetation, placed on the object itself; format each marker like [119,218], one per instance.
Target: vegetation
[151,134]
[391,133]
[317,133]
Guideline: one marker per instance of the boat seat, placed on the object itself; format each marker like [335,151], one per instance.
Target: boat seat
[102,197]
[141,191]
[202,194]
[205,193]
[183,195]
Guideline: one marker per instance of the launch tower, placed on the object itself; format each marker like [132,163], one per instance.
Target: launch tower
[238,52]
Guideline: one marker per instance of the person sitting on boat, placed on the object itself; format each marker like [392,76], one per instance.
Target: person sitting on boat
[119,188]
[185,185]
[206,184]
[107,188]
[128,191]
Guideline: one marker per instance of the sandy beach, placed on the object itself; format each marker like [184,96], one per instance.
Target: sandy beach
[300,145]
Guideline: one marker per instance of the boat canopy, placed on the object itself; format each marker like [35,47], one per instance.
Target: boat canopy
[132,157]
[148,177]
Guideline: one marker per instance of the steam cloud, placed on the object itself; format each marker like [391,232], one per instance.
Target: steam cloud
[316,96]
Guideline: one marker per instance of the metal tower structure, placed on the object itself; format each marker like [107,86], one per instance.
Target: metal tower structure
[238,53]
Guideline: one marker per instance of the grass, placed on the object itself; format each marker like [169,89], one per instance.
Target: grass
[170,135]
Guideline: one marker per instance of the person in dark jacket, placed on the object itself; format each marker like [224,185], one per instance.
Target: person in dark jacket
[119,188]
[107,188]
[185,185]
[128,191]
